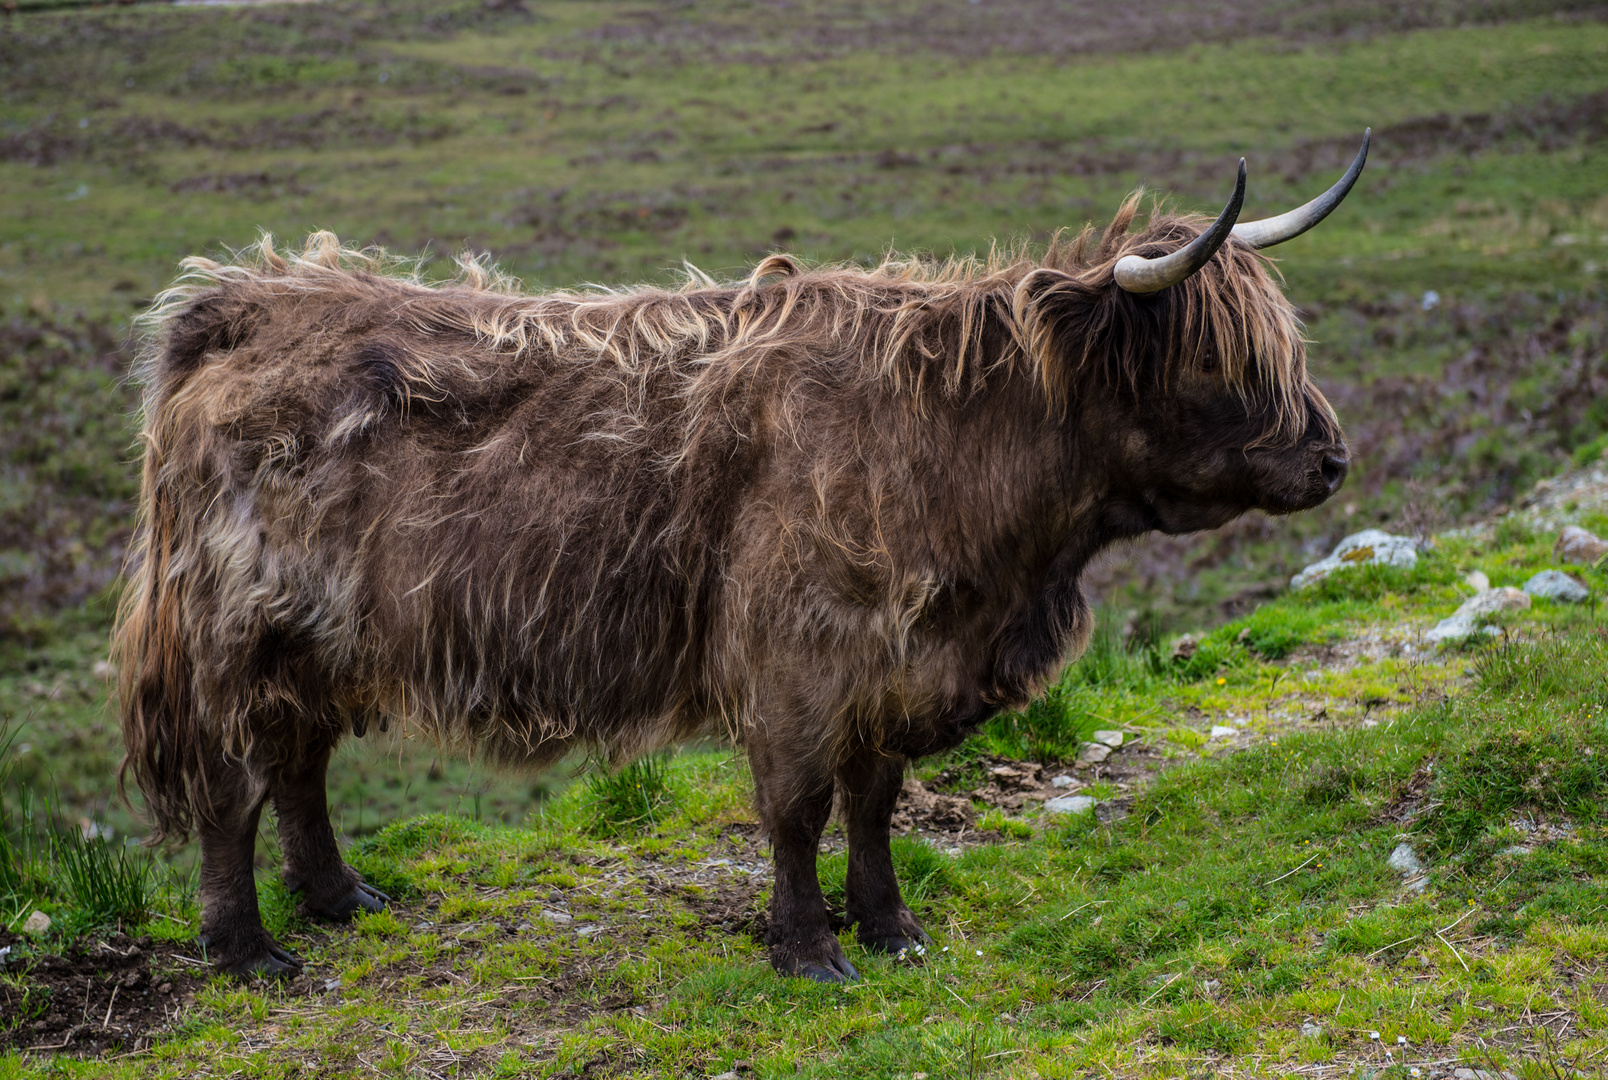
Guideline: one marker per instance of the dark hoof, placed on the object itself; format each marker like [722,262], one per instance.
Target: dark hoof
[826,965]
[362,898]
[822,974]
[267,961]
[905,937]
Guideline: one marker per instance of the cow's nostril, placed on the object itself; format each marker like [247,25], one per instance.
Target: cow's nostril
[1334,469]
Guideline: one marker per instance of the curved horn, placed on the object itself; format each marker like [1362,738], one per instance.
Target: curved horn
[1137,274]
[1276,230]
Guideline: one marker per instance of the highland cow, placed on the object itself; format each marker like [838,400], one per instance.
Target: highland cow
[838,513]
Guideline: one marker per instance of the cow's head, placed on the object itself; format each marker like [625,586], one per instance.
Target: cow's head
[1184,364]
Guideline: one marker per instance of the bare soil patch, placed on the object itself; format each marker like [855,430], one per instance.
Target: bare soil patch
[103,995]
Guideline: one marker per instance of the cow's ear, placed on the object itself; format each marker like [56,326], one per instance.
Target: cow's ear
[1077,327]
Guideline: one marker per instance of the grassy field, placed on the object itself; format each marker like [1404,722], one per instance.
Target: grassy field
[1458,306]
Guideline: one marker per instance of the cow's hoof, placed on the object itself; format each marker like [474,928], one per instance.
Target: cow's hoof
[822,974]
[905,937]
[266,961]
[363,897]
[825,963]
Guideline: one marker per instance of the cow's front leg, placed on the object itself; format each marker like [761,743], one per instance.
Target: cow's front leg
[871,783]
[795,801]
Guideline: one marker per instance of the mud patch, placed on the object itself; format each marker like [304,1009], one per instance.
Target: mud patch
[103,995]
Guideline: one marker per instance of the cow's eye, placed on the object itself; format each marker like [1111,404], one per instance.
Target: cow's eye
[1208,360]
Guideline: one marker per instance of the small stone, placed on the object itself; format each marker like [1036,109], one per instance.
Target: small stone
[557,917]
[1404,861]
[1221,732]
[1492,601]
[1556,585]
[728,1075]
[37,923]
[1112,739]
[1576,545]
[1211,987]
[103,671]
[1093,753]
[331,985]
[1477,581]
[1309,1030]
[1465,621]
[1062,781]
[1358,549]
[1185,647]
[1069,804]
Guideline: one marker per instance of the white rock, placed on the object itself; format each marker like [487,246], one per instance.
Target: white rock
[1309,1030]
[1491,601]
[1221,732]
[1093,753]
[1455,628]
[1069,804]
[1465,621]
[1062,781]
[1404,861]
[37,923]
[557,917]
[1360,549]
[1112,739]
[1556,585]
[1477,581]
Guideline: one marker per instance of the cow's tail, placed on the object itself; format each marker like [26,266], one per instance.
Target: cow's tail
[167,748]
[162,741]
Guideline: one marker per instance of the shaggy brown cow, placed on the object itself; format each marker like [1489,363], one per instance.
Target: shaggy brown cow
[838,513]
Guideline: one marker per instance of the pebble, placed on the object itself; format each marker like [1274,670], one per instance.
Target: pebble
[37,923]
[1093,753]
[1556,585]
[1062,781]
[1466,620]
[1309,1030]
[1477,581]
[1221,732]
[1069,804]
[1112,739]
[557,917]
[1576,545]
[1360,549]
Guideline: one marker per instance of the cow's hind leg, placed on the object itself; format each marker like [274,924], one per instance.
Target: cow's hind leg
[870,785]
[795,802]
[313,865]
[232,933]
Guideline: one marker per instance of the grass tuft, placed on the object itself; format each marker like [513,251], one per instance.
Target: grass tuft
[623,800]
[104,883]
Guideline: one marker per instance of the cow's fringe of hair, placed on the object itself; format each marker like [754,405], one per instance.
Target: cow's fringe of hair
[931,327]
